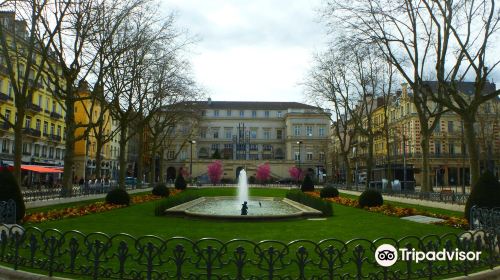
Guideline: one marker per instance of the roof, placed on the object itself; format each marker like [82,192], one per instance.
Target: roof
[467,88]
[249,105]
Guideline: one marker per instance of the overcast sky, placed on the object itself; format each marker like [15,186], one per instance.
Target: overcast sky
[251,49]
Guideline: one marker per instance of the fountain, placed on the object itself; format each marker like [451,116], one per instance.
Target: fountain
[242,186]
[243,207]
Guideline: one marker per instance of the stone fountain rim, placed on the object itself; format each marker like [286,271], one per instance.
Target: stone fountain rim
[302,210]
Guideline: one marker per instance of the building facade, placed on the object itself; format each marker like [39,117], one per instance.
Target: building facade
[246,134]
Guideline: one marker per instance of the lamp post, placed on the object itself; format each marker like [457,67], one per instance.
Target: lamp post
[191,159]
[300,170]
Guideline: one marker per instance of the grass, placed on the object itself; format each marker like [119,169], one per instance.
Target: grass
[346,223]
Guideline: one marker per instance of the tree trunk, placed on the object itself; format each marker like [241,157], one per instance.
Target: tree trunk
[152,173]
[162,175]
[67,179]
[472,147]
[140,158]
[348,174]
[369,162]
[98,157]
[18,147]
[122,159]
[424,144]
[389,174]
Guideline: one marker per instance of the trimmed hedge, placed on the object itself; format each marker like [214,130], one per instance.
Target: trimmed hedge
[486,193]
[317,203]
[161,190]
[370,198]
[118,196]
[329,192]
[174,201]
[307,184]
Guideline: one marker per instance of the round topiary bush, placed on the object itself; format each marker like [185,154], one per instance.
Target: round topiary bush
[370,198]
[486,193]
[9,189]
[329,192]
[307,184]
[161,190]
[118,196]
[180,183]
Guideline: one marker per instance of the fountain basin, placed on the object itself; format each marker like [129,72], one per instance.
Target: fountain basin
[227,207]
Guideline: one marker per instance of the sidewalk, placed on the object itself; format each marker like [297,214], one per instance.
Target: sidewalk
[42,203]
[434,204]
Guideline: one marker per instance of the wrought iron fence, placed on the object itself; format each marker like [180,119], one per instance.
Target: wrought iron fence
[121,256]
[442,196]
[47,193]
[485,218]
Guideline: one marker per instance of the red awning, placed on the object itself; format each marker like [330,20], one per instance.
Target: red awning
[40,169]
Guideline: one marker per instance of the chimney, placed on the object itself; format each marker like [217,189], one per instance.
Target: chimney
[209,101]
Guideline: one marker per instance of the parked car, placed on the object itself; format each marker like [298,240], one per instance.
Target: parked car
[286,181]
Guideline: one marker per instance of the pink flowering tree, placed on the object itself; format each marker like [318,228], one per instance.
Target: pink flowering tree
[185,172]
[215,171]
[263,172]
[295,173]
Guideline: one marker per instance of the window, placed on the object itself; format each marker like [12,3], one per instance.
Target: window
[321,156]
[52,128]
[253,134]
[37,150]
[170,154]
[203,133]
[253,156]
[437,147]
[183,155]
[321,131]
[44,151]
[215,147]
[215,134]
[64,134]
[7,114]
[51,152]
[451,148]
[228,113]
[40,101]
[38,124]
[26,148]
[47,102]
[254,114]
[254,147]
[278,114]
[267,147]
[297,156]
[58,130]
[216,113]
[228,146]
[228,133]
[267,134]
[27,123]
[5,145]
[54,107]
[437,129]
[309,131]
[309,156]
[296,130]
[242,113]
[58,153]
[45,127]
[450,126]
[279,134]
[266,114]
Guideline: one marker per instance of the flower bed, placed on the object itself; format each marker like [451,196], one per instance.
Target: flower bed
[397,211]
[96,207]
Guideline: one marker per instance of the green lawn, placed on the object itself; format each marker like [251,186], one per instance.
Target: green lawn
[346,223]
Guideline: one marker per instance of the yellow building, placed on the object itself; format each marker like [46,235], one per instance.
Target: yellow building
[44,126]
[88,111]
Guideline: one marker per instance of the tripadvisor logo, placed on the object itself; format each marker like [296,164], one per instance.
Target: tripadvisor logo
[386,255]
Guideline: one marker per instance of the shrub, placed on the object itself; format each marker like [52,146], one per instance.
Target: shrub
[252,180]
[118,196]
[174,201]
[371,198]
[307,184]
[161,190]
[9,189]
[329,192]
[180,183]
[317,203]
[486,193]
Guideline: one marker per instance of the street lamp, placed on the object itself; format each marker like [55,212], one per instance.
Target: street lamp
[191,160]
[300,170]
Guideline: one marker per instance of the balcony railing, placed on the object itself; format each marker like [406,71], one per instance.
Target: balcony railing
[55,115]
[32,132]
[33,108]
[4,125]
[54,137]
[4,97]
